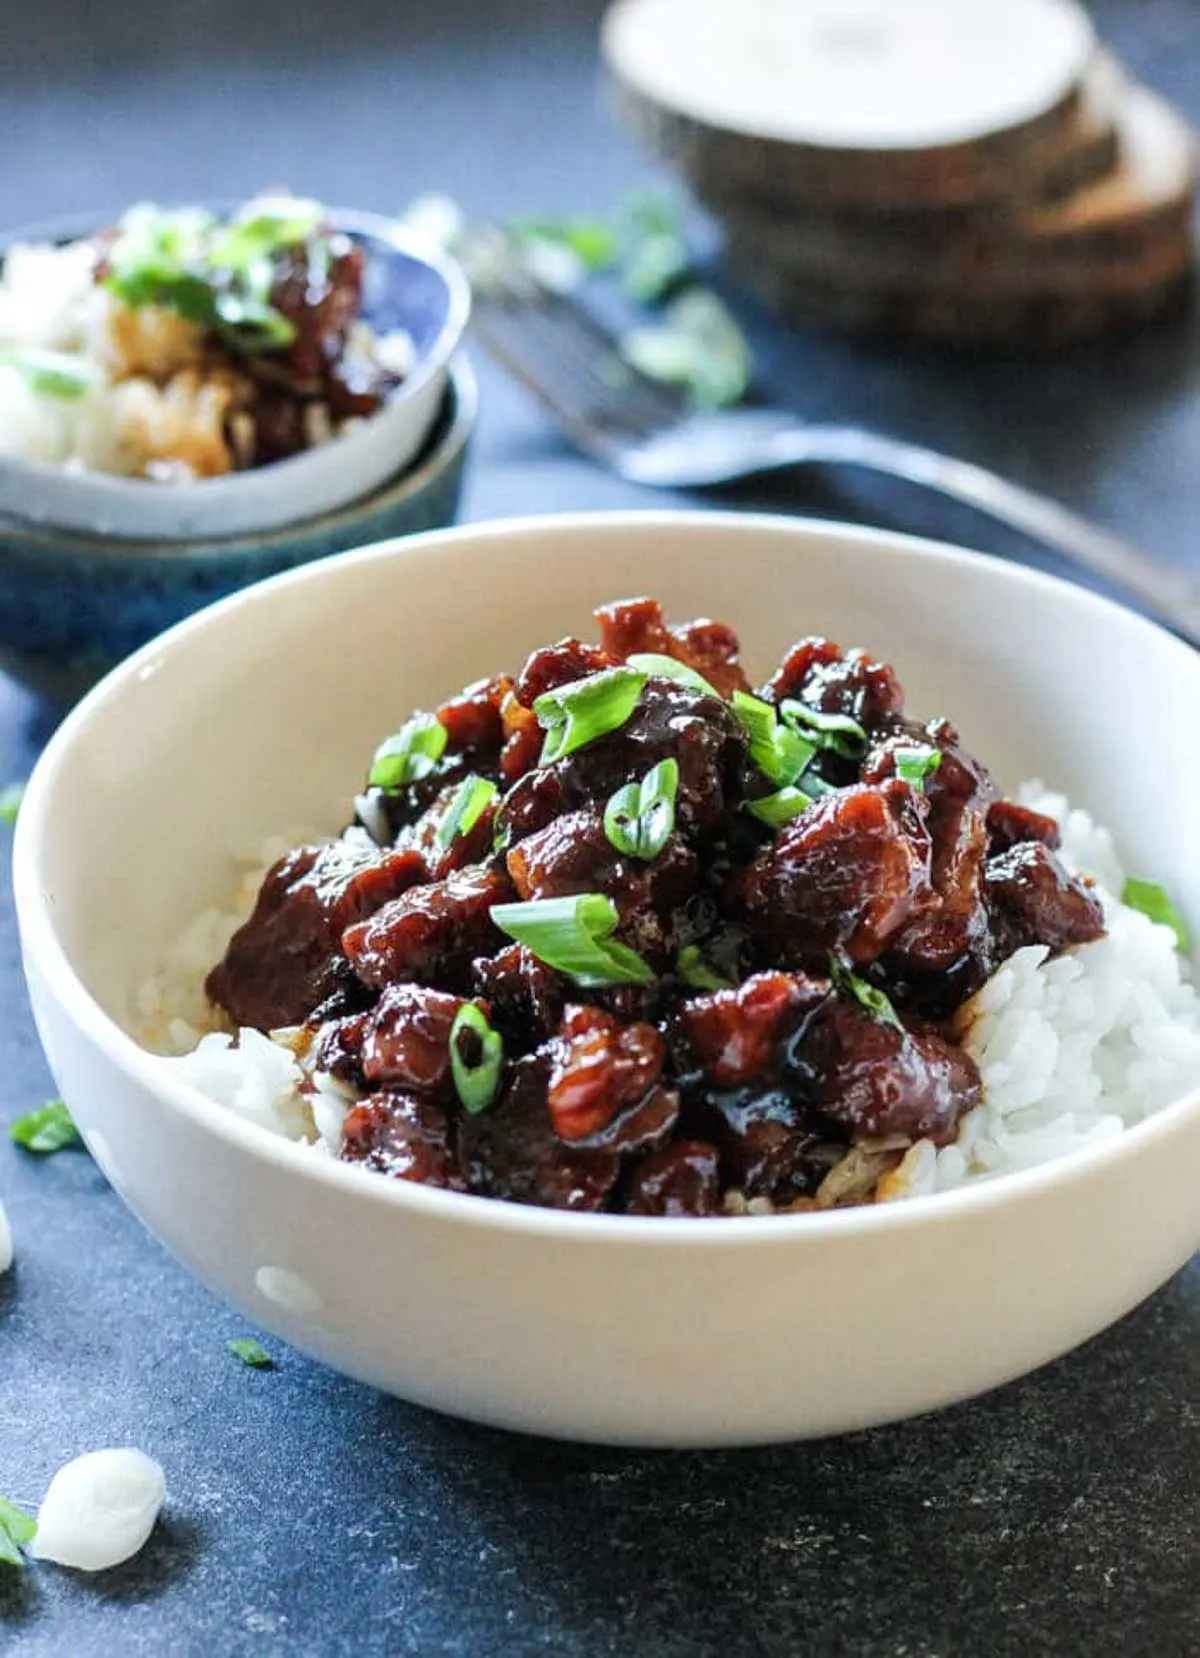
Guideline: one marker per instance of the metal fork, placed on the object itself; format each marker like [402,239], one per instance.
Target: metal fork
[645,431]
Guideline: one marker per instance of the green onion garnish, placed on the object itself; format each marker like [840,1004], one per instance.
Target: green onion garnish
[218,276]
[410,754]
[47,1129]
[52,373]
[477,1072]
[250,1353]
[578,713]
[914,765]
[832,731]
[572,935]
[639,819]
[1154,901]
[874,1002]
[778,809]
[11,797]
[17,1531]
[666,667]
[691,967]
[471,800]
[780,753]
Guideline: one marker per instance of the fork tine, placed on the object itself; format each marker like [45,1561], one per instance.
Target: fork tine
[560,351]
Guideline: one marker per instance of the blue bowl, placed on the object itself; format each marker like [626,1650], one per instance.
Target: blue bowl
[72,606]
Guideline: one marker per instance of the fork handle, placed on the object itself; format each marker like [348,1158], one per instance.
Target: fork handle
[1173,596]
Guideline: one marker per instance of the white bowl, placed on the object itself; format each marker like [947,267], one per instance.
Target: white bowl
[259,712]
[405,286]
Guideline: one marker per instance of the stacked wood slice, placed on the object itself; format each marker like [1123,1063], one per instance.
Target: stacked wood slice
[972,171]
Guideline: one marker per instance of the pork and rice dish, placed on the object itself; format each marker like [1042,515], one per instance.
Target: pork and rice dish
[626,933]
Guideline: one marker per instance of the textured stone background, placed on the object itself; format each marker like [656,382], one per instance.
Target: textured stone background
[308,1514]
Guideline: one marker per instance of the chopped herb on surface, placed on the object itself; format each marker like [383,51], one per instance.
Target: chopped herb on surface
[692,968]
[251,1353]
[588,708]
[640,818]
[17,1531]
[52,373]
[47,1129]
[914,765]
[11,797]
[409,754]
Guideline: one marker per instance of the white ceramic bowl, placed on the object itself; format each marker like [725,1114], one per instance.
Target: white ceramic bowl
[405,286]
[259,712]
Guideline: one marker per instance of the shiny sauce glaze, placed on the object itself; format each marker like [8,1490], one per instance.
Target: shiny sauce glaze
[788,915]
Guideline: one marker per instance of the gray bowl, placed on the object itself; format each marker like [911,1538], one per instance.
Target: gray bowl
[72,606]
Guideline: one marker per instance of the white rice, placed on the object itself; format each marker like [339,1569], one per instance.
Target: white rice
[1071,1050]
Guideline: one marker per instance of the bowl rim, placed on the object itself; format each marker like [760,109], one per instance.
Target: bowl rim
[42,946]
[365,226]
[449,436]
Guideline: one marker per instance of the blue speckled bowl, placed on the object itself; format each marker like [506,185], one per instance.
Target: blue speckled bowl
[72,606]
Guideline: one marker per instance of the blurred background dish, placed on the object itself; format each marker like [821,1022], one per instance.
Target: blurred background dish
[156,345]
[72,606]
[969,174]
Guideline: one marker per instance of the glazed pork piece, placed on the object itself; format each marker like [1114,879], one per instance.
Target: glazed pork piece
[617,933]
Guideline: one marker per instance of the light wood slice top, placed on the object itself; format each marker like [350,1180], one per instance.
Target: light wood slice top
[852,75]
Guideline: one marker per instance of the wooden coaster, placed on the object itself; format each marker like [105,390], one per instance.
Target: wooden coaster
[1087,152]
[929,102]
[964,320]
[1119,233]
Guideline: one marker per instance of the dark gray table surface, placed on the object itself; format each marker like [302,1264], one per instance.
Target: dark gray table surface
[307,1514]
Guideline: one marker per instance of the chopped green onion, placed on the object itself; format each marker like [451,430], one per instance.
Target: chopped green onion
[698,346]
[257,325]
[691,967]
[51,373]
[592,242]
[1154,901]
[47,1129]
[572,935]
[250,1353]
[778,809]
[237,246]
[780,753]
[475,1079]
[17,1531]
[833,731]
[854,989]
[409,754]
[914,765]
[471,800]
[640,818]
[576,714]
[653,253]
[11,797]
[666,667]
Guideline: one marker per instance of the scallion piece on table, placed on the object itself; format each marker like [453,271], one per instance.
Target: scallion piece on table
[914,765]
[471,800]
[778,809]
[1155,901]
[576,714]
[837,732]
[17,1531]
[45,1130]
[691,967]
[666,667]
[573,935]
[854,989]
[778,751]
[251,1353]
[640,818]
[11,797]
[476,1058]
[410,754]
